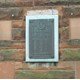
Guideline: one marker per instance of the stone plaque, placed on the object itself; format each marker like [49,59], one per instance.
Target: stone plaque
[41,38]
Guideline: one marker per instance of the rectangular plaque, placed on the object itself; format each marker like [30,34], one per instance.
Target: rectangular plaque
[42,38]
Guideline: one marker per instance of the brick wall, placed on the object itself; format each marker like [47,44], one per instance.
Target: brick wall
[12,40]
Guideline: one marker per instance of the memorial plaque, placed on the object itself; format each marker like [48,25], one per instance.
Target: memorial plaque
[41,38]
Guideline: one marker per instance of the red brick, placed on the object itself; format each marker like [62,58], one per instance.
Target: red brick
[7,70]
[18,24]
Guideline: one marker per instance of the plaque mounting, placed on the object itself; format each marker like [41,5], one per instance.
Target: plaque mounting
[42,38]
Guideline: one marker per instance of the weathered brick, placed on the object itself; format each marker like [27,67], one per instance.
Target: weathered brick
[43,74]
[64,22]
[11,13]
[18,24]
[71,12]
[12,44]
[55,2]
[70,55]
[18,33]
[65,33]
[12,54]
[7,70]
[16,3]
[71,44]
[45,66]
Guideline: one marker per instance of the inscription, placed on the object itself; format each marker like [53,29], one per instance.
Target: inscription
[41,38]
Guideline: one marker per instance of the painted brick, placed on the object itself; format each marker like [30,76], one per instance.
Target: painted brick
[77,70]
[71,44]
[18,24]
[12,44]
[43,74]
[12,54]
[6,13]
[65,33]
[7,70]
[5,30]
[75,28]
[45,66]
[70,55]
[16,3]
[18,34]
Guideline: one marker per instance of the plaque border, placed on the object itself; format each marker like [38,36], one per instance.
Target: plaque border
[56,38]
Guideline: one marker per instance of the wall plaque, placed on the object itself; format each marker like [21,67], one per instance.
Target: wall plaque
[42,38]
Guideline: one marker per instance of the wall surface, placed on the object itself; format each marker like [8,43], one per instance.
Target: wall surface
[12,40]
